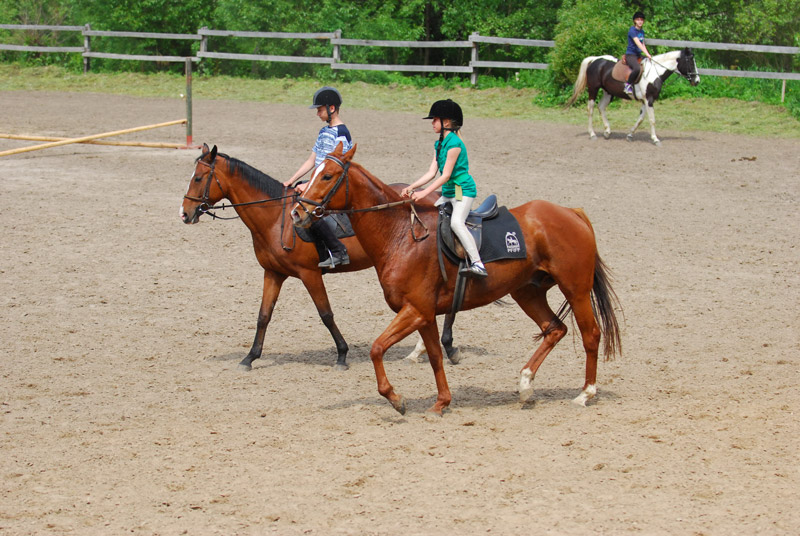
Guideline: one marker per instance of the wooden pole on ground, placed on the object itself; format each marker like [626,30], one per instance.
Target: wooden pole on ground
[156,145]
[87,138]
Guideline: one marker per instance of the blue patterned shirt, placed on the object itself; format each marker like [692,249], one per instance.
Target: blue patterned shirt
[327,140]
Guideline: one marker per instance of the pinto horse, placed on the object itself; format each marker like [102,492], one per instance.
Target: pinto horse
[595,73]
[263,205]
[561,251]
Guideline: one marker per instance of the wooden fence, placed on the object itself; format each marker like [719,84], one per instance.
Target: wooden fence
[336,41]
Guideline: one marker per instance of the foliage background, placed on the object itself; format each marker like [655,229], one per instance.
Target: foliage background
[579,27]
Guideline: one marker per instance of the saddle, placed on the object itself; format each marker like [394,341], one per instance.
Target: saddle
[341,225]
[622,70]
[495,230]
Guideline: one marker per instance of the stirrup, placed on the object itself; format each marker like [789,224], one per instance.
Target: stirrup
[474,269]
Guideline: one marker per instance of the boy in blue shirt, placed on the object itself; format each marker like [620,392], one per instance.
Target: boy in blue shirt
[327,102]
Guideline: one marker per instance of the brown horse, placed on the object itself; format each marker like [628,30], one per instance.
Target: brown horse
[561,250]
[263,204]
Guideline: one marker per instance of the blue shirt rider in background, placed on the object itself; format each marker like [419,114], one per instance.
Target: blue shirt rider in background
[635,50]
[327,101]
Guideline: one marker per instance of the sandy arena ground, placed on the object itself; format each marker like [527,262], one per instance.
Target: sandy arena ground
[122,409]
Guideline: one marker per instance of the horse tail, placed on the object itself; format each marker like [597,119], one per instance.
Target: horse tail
[604,301]
[580,82]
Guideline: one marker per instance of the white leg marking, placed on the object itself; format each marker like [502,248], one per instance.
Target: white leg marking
[586,395]
[419,349]
[525,385]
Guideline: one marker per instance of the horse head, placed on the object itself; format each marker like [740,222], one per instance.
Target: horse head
[322,189]
[687,66]
[201,193]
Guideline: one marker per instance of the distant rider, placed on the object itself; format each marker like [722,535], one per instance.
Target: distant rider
[635,50]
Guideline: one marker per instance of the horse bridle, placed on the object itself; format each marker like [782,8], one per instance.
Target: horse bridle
[204,206]
[688,76]
[321,207]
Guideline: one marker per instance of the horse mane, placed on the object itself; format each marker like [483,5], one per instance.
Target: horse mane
[257,179]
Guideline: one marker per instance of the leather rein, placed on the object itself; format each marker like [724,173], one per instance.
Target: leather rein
[204,207]
[321,208]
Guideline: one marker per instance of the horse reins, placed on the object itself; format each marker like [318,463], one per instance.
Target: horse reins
[320,208]
[687,76]
[205,209]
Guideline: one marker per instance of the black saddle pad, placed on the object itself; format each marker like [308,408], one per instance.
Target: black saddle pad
[340,221]
[500,237]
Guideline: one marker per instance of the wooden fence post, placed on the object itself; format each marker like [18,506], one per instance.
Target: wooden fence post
[473,78]
[86,49]
[188,102]
[337,49]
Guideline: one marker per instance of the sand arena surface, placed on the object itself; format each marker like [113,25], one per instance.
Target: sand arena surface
[122,409]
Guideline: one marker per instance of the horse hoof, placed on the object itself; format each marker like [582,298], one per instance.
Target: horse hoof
[525,386]
[657,143]
[244,367]
[399,405]
[412,359]
[586,395]
[341,366]
[606,135]
[454,355]
[629,137]
[593,137]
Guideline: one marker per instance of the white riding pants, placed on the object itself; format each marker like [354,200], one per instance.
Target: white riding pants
[460,212]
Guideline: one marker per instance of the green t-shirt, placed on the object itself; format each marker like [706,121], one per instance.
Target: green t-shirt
[460,173]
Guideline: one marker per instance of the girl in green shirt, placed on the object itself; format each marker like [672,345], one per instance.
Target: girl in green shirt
[458,186]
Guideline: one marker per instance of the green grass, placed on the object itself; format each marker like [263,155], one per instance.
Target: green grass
[680,113]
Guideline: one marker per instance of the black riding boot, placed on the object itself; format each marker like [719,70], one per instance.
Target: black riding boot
[325,229]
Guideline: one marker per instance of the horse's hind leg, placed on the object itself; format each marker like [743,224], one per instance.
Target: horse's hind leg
[590,106]
[590,334]
[604,102]
[533,301]
[269,295]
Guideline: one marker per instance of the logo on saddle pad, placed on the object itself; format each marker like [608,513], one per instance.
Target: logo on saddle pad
[512,242]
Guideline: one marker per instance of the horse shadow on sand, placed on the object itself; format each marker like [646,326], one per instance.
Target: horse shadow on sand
[638,136]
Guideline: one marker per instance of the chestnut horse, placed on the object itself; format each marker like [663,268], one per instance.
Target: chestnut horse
[263,204]
[561,250]
[595,73]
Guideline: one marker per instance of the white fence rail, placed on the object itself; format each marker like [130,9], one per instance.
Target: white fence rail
[336,41]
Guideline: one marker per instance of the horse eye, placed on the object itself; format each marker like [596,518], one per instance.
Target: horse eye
[327,177]
[197,178]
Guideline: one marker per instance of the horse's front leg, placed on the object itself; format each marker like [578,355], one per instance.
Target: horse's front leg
[312,280]
[604,102]
[638,122]
[406,322]
[453,354]
[651,115]
[269,295]
[430,334]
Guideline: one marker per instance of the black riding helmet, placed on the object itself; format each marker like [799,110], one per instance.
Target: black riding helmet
[327,97]
[447,109]
[638,15]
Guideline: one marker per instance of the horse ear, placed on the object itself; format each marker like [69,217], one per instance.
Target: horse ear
[204,149]
[339,150]
[213,153]
[350,154]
